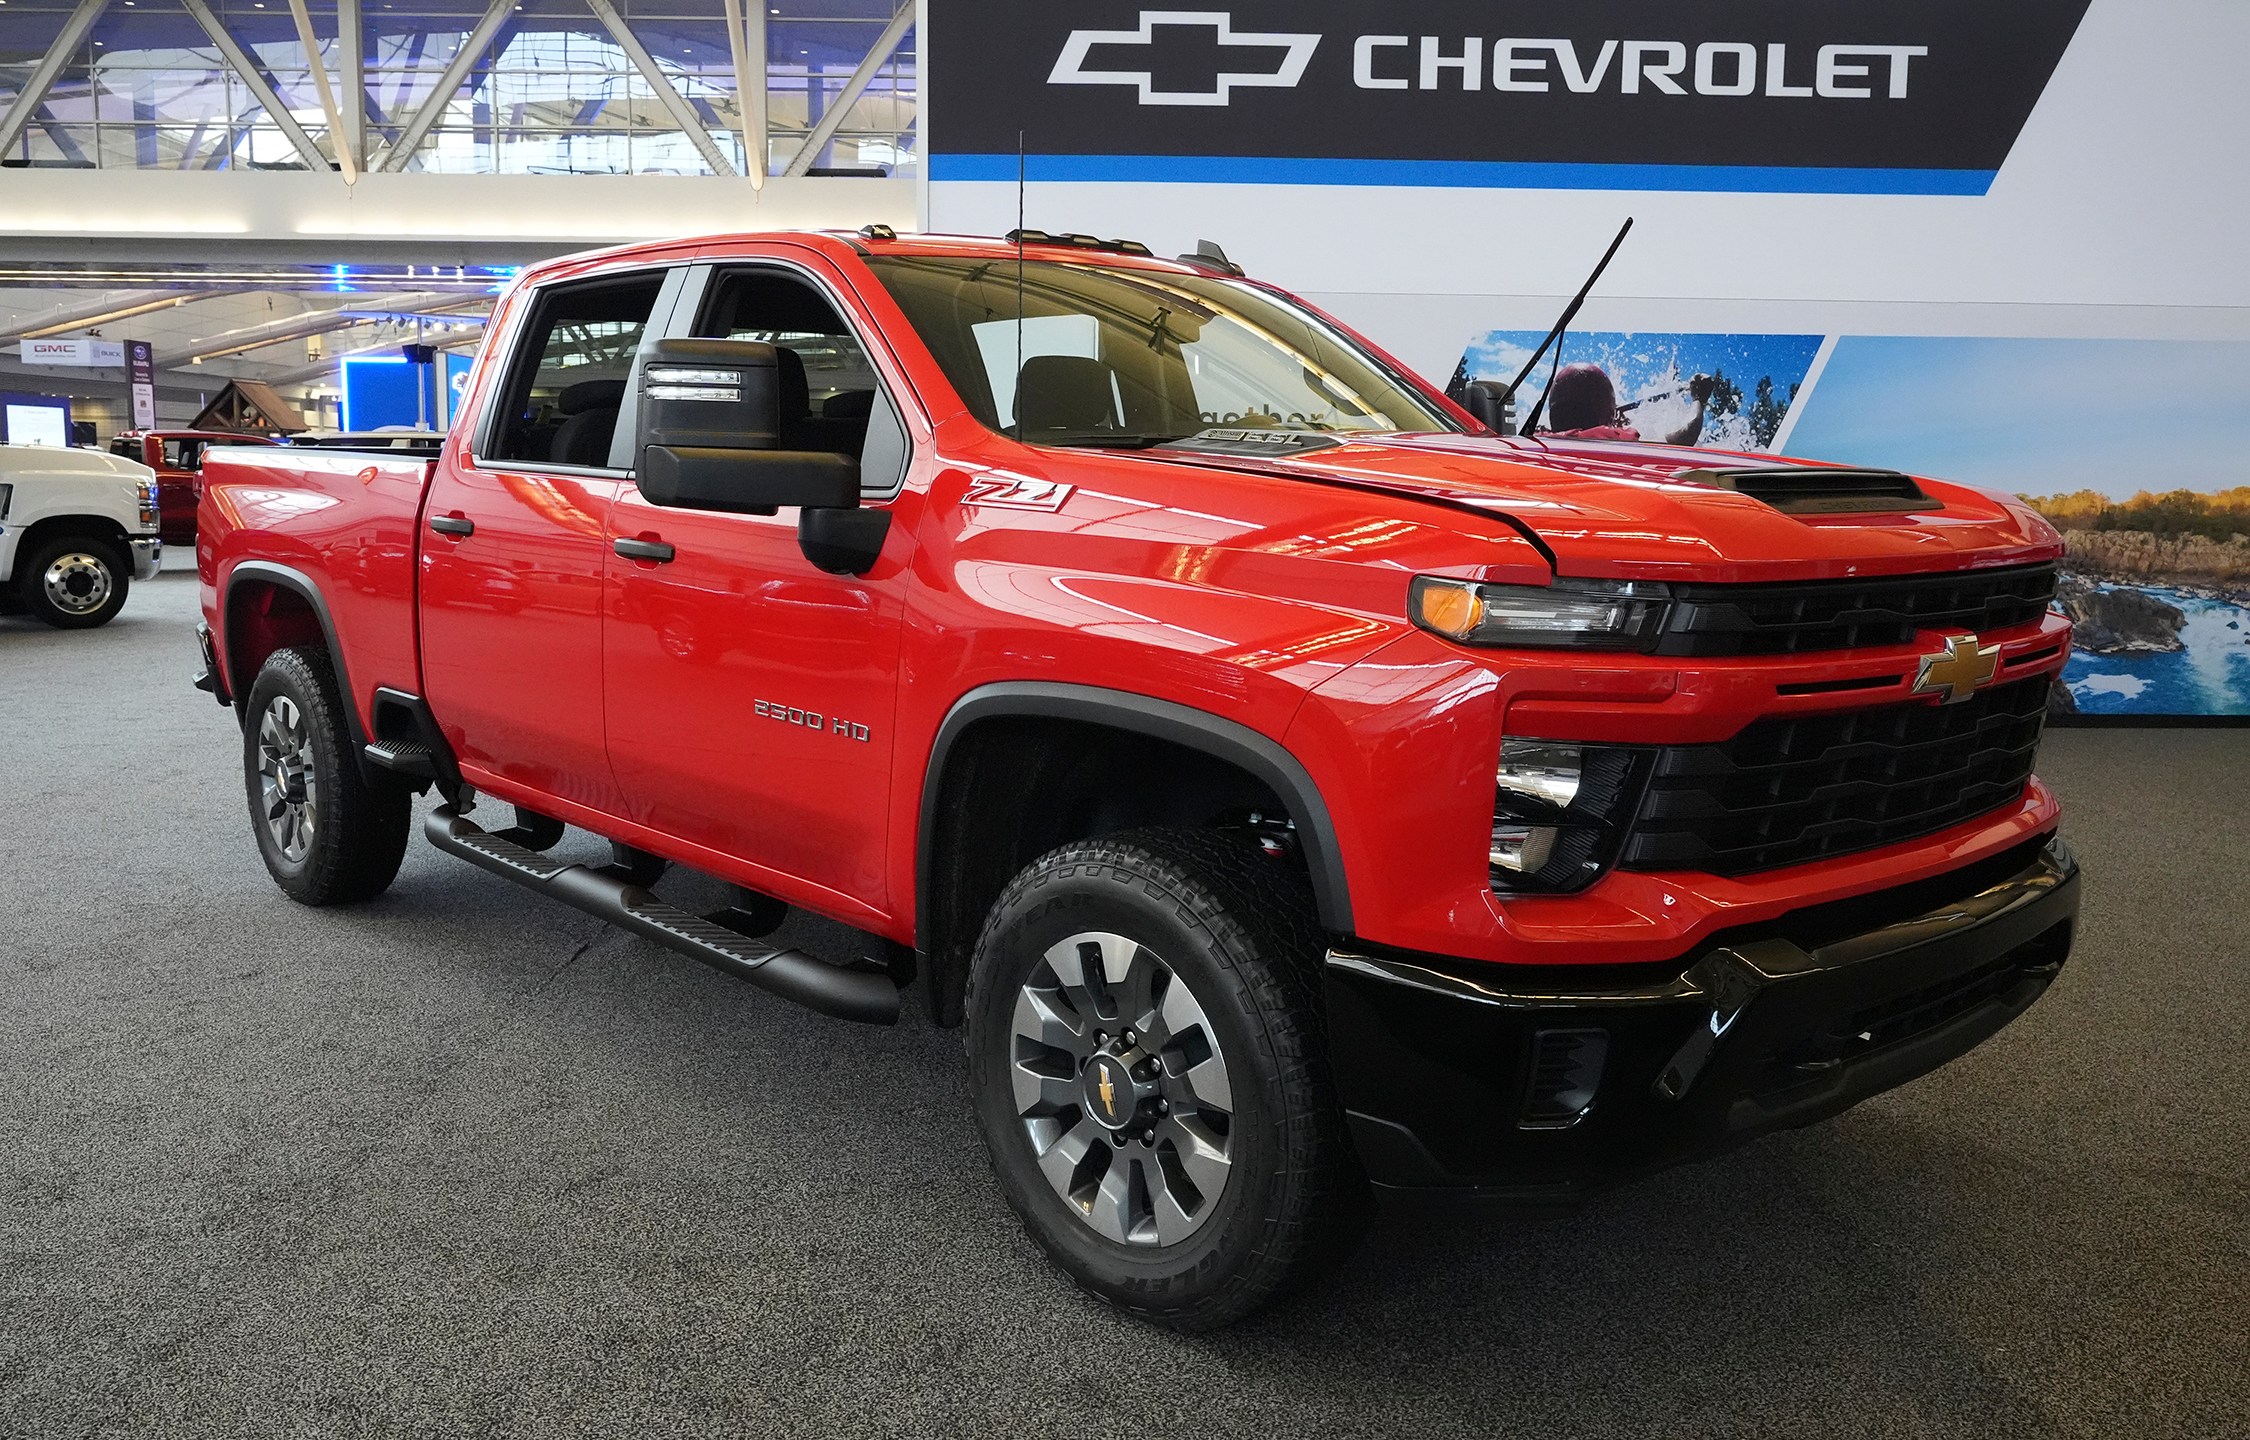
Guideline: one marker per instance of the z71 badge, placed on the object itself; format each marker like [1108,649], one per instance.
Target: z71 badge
[1018,494]
[810,719]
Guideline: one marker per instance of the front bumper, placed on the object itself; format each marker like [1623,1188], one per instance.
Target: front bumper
[148,556]
[1540,1084]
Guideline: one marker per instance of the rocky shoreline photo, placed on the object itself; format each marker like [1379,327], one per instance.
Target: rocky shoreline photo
[2158,587]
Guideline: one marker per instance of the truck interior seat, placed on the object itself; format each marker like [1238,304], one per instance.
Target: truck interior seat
[1074,393]
[590,409]
[792,394]
[838,423]
[804,427]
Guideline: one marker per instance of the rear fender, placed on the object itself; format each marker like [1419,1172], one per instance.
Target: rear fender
[254,625]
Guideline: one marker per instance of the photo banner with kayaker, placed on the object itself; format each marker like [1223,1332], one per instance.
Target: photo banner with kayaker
[2136,450]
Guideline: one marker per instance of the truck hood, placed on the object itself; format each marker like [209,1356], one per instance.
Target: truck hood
[33,462]
[1622,510]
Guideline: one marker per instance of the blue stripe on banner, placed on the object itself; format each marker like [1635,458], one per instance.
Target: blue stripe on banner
[1478,174]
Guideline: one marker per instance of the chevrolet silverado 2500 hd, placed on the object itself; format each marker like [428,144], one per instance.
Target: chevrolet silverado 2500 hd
[1295,788]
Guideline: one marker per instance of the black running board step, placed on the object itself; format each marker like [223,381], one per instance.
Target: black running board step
[407,757]
[791,974]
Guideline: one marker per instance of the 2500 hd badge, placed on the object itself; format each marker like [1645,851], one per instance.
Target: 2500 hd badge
[810,719]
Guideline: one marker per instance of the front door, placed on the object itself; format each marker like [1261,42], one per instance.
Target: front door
[514,550]
[750,695]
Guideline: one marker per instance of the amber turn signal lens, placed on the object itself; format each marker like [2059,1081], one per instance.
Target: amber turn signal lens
[1454,610]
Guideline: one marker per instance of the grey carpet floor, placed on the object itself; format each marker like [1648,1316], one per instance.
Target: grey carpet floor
[463,1162]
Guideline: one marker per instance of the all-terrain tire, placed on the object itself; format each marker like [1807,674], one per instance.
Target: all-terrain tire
[328,837]
[74,582]
[1239,928]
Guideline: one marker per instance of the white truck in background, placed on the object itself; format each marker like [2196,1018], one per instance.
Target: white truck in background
[77,528]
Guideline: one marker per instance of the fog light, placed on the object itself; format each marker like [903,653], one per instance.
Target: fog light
[1543,770]
[1557,808]
[1522,848]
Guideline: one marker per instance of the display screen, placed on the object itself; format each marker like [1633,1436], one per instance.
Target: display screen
[38,424]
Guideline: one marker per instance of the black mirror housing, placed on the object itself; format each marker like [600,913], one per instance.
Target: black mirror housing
[746,482]
[843,542]
[716,394]
[1491,405]
[710,419]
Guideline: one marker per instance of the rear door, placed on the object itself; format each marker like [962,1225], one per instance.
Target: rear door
[749,694]
[514,544]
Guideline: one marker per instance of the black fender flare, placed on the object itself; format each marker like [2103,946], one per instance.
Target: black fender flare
[300,584]
[1220,738]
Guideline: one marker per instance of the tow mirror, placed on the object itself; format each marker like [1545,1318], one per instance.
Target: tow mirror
[710,436]
[1493,406]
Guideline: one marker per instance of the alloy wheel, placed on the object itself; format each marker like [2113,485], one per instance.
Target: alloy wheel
[78,583]
[287,787]
[1122,1090]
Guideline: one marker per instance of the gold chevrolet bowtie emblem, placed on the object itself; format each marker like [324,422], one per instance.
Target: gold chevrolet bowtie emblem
[1957,670]
[1109,1094]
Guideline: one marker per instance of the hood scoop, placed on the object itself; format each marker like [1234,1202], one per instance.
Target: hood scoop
[1819,489]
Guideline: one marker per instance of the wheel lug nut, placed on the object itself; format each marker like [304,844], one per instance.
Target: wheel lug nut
[1127,1037]
[1148,1139]
[1163,1106]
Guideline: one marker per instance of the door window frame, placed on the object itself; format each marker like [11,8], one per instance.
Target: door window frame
[701,287]
[492,419]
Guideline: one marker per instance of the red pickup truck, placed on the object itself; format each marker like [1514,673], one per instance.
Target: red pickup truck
[177,458]
[1297,789]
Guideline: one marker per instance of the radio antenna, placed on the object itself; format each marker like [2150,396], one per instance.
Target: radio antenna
[1017,387]
[1570,313]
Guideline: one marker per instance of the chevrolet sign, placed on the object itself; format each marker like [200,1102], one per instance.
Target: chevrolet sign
[1892,96]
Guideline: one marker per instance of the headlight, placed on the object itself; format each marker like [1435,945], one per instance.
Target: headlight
[1558,811]
[1570,614]
[144,491]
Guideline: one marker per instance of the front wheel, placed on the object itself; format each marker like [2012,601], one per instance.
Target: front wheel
[1146,1054]
[326,834]
[75,582]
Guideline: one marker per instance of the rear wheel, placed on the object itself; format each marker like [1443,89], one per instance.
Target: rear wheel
[74,582]
[1145,1050]
[326,834]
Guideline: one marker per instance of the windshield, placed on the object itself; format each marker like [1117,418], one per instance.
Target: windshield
[1135,357]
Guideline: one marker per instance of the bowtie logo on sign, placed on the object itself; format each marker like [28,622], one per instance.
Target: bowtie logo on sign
[1276,61]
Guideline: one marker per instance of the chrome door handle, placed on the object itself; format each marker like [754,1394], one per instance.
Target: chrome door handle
[655,550]
[452,525]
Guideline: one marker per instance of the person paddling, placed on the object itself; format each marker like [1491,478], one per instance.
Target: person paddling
[1582,405]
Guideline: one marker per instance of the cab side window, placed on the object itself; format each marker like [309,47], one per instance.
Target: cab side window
[831,397]
[573,361]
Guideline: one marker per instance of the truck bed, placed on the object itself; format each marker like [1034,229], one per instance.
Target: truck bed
[346,522]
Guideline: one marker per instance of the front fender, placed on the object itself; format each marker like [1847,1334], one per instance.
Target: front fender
[1193,729]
